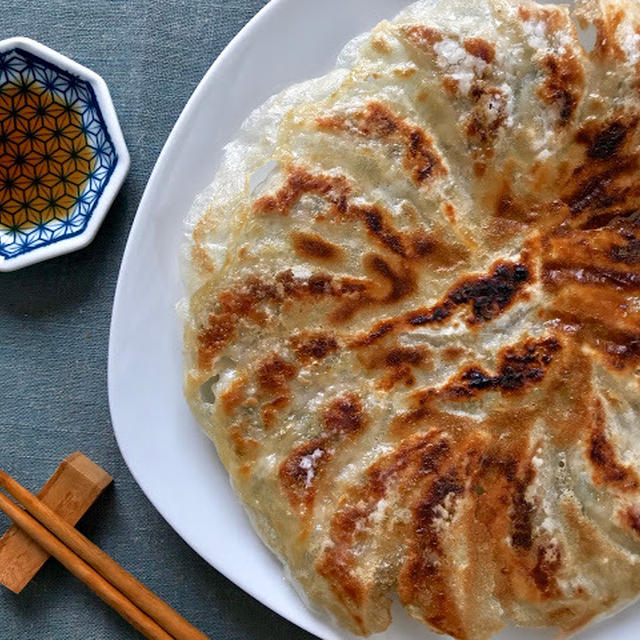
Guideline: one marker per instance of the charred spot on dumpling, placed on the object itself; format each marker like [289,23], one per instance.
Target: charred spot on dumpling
[302,469]
[379,226]
[603,186]
[377,333]
[405,355]
[631,518]
[415,244]
[234,395]
[311,346]
[426,511]
[453,354]
[508,206]
[424,565]
[490,295]
[522,512]
[548,563]
[558,273]
[299,182]
[422,158]
[242,299]
[480,48]
[274,373]
[299,471]
[396,363]
[397,281]
[607,46]
[337,563]
[564,84]
[606,467]
[378,122]
[424,578]
[415,460]
[422,36]
[628,253]
[320,284]
[423,244]
[608,141]
[519,368]
[244,447]
[344,416]
[604,140]
[564,81]
[602,193]
[488,115]
[219,331]
[269,411]
[314,247]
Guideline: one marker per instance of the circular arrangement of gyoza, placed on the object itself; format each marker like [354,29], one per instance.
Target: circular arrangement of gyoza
[412,324]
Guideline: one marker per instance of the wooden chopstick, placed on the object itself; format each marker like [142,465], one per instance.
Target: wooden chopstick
[129,597]
[81,570]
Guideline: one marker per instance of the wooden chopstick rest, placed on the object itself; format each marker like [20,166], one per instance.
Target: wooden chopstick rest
[130,598]
[81,570]
[70,492]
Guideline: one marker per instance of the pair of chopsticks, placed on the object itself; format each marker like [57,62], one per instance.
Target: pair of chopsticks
[139,606]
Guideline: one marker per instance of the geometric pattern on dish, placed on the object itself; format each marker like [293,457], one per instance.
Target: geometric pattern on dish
[56,154]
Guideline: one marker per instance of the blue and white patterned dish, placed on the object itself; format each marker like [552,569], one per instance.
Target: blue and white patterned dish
[62,154]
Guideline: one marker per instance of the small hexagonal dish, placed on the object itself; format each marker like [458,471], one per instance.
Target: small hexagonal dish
[62,154]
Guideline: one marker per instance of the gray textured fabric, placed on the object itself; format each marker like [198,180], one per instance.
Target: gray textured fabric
[54,325]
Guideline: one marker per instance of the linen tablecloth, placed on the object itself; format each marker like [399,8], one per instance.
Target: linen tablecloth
[54,327]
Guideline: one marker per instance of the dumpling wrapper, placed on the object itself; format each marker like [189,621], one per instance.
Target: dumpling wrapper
[412,324]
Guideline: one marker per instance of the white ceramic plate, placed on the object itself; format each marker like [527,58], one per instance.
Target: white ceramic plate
[287,42]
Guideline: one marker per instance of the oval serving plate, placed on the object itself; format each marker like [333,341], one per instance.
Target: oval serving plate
[152,423]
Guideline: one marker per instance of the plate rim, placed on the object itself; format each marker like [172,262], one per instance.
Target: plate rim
[228,51]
